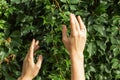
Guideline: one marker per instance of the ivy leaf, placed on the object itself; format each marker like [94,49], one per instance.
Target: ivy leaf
[15,1]
[100,29]
[115,63]
[2,55]
[70,1]
[91,49]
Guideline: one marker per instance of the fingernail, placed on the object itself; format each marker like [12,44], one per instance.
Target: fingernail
[33,39]
[40,56]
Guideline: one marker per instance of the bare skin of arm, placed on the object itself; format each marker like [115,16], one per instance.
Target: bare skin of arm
[30,69]
[75,44]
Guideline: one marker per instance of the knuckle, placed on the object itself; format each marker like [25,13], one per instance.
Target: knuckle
[75,34]
[64,39]
[29,59]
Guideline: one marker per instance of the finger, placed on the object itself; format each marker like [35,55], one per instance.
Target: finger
[31,51]
[64,33]
[82,26]
[72,24]
[37,42]
[36,45]
[77,26]
[39,62]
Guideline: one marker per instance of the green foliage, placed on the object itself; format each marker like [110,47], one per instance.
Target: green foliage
[23,20]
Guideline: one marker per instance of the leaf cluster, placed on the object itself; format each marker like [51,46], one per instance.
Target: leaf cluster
[23,20]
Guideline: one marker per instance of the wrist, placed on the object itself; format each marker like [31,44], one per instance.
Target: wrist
[77,55]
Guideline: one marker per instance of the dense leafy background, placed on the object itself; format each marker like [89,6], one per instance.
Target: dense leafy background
[22,20]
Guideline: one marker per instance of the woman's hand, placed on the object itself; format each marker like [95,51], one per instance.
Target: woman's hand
[30,69]
[75,43]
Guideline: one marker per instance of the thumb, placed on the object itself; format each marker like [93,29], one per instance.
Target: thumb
[39,62]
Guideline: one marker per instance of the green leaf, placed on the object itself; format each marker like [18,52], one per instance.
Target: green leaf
[2,55]
[91,49]
[117,76]
[102,45]
[70,1]
[15,34]
[115,64]
[100,29]
[15,1]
